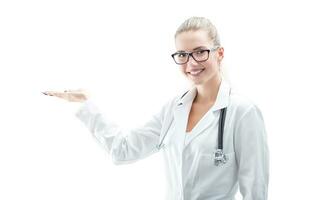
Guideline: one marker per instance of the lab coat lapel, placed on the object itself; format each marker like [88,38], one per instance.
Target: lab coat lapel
[181,113]
[181,116]
[180,119]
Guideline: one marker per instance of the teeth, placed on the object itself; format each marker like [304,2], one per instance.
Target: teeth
[196,72]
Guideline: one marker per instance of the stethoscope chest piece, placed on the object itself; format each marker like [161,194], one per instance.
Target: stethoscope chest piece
[219,157]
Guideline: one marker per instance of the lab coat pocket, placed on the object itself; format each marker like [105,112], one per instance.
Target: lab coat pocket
[212,178]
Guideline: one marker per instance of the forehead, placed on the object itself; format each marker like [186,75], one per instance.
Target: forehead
[187,41]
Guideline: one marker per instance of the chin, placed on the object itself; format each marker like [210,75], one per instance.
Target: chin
[196,82]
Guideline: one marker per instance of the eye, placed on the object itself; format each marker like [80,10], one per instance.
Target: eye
[181,55]
[202,51]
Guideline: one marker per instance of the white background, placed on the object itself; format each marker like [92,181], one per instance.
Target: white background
[275,53]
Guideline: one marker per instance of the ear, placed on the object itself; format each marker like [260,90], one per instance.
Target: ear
[220,54]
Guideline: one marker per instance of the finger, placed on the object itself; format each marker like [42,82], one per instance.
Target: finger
[69,91]
[59,94]
[66,95]
[47,93]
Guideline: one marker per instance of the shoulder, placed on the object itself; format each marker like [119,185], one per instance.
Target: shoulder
[240,105]
[172,103]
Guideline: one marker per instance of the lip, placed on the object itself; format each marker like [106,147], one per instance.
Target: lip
[195,75]
[195,70]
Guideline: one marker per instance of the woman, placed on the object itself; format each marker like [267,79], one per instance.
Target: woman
[212,139]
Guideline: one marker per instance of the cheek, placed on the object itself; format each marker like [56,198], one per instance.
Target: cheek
[211,67]
[183,68]
[214,60]
[213,64]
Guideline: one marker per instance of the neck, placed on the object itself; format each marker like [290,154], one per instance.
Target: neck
[207,92]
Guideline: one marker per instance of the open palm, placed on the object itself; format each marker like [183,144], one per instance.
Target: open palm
[78,95]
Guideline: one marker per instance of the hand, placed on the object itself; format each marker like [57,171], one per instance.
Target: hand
[79,95]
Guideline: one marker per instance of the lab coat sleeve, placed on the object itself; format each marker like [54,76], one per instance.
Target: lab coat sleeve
[252,155]
[124,146]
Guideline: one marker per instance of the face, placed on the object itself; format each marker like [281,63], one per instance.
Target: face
[199,72]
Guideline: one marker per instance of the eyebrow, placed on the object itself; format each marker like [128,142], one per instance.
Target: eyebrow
[200,47]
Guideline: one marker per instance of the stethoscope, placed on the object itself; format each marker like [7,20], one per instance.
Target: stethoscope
[220,157]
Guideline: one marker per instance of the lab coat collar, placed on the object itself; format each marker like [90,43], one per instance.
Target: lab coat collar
[184,106]
[222,98]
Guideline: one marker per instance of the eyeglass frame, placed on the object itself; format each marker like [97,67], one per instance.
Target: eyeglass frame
[190,54]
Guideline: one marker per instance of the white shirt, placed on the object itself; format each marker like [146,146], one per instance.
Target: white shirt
[189,157]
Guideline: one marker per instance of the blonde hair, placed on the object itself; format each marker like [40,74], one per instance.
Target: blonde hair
[200,23]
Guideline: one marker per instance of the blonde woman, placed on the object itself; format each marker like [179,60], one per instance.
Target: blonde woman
[213,140]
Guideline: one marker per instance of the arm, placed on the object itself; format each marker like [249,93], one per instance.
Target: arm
[252,155]
[124,147]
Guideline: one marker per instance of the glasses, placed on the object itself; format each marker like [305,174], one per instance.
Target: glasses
[200,55]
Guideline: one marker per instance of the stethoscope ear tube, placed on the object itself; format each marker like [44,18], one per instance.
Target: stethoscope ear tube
[219,156]
[221,127]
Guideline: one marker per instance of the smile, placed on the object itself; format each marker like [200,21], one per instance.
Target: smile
[196,73]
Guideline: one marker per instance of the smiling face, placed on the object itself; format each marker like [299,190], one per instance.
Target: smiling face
[196,41]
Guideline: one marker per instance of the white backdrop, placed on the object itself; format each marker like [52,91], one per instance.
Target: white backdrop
[275,53]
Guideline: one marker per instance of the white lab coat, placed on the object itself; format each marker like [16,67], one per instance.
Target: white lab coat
[189,159]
